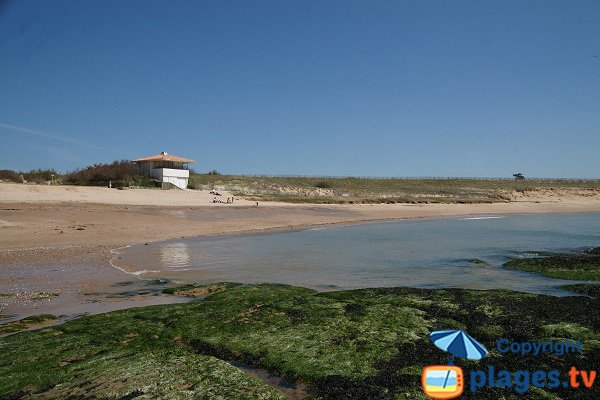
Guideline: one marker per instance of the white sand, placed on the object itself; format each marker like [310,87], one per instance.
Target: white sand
[45,194]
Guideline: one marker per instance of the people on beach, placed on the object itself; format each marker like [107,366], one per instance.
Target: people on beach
[215,200]
[228,201]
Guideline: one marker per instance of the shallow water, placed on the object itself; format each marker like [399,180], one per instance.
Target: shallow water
[416,253]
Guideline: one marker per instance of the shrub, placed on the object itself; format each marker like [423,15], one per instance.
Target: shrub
[323,185]
[39,175]
[121,173]
[35,175]
[9,175]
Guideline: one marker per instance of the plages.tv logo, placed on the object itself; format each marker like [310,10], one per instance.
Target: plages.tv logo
[447,381]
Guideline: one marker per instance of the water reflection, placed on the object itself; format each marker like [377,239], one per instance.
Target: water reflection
[430,253]
[175,255]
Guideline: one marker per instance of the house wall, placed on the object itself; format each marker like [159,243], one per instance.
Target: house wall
[161,173]
[181,183]
[178,177]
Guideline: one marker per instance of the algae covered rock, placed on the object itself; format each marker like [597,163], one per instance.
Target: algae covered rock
[561,266]
[356,344]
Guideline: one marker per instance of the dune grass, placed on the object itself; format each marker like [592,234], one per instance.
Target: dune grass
[378,190]
[32,176]
[360,344]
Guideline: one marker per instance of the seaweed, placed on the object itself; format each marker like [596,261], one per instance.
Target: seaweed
[592,290]
[562,266]
[26,323]
[356,344]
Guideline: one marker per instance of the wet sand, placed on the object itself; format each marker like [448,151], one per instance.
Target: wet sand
[68,282]
[55,243]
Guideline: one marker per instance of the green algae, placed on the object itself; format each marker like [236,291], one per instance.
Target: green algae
[561,266]
[592,290]
[593,250]
[26,323]
[359,344]
[200,290]
[573,331]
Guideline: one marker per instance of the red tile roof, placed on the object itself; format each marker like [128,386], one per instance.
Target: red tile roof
[166,157]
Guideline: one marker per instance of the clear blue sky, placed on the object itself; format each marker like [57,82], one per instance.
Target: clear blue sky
[385,88]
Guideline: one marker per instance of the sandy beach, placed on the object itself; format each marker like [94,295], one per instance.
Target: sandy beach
[34,216]
[293,200]
[56,241]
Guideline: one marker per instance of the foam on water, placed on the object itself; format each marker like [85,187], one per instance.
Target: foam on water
[476,218]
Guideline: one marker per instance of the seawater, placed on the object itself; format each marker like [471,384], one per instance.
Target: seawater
[434,253]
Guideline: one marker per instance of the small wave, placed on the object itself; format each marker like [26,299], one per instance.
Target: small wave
[135,273]
[144,271]
[115,252]
[472,218]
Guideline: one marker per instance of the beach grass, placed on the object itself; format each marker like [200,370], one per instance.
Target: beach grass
[353,190]
[358,344]
[32,176]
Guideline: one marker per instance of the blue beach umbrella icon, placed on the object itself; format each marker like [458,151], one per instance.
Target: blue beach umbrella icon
[458,343]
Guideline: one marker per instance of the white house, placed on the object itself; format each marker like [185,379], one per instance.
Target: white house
[166,168]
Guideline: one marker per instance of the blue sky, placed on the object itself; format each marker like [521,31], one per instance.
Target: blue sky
[363,88]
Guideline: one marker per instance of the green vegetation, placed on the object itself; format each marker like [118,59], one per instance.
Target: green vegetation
[26,323]
[324,184]
[360,344]
[378,190]
[121,173]
[33,176]
[592,290]
[594,251]
[195,290]
[562,266]
[317,190]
